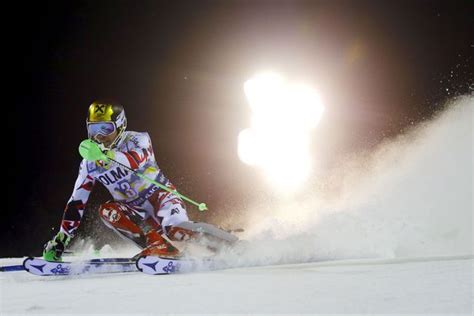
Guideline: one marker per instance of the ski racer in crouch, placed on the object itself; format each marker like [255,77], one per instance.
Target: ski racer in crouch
[140,211]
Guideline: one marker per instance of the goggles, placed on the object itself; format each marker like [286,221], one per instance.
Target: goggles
[102,128]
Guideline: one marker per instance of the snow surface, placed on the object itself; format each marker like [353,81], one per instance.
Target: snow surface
[390,232]
[438,285]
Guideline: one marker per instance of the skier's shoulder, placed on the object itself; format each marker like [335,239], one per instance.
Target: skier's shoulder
[134,134]
[139,139]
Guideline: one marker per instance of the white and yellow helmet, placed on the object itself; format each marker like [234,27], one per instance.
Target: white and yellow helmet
[105,117]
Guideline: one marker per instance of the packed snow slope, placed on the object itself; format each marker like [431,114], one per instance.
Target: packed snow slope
[438,286]
[390,232]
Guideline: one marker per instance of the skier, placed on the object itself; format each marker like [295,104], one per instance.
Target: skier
[139,211]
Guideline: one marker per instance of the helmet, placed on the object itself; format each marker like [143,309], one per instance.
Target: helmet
[106,112]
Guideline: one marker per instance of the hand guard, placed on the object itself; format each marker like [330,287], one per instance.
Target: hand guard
[92,151]
[54,249]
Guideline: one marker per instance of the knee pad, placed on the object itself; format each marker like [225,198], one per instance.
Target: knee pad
[115,214]
[112,212]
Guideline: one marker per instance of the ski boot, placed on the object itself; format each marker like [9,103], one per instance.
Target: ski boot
[157,245]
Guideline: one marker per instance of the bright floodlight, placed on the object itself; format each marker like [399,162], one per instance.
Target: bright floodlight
[283,115]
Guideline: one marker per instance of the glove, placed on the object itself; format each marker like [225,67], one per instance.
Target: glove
[106,162]
[110,154]
[54,249]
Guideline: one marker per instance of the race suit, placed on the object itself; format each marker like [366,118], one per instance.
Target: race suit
[135,151]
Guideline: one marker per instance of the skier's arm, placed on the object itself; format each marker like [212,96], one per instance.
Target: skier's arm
[73,212]
[74,209]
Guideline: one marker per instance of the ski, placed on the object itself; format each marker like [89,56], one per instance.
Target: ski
[12,268]
[158,265]
[39,266]
[147,264]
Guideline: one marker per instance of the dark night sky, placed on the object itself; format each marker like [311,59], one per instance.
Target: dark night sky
[179,66]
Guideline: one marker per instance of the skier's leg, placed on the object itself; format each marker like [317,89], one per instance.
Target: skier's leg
[171,211]
[128,223]
[177,225]
[116,216]
[207,230]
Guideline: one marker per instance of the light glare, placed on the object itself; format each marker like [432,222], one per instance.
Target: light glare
[278,140]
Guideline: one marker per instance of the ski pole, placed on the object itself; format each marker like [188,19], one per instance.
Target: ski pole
[89,150]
